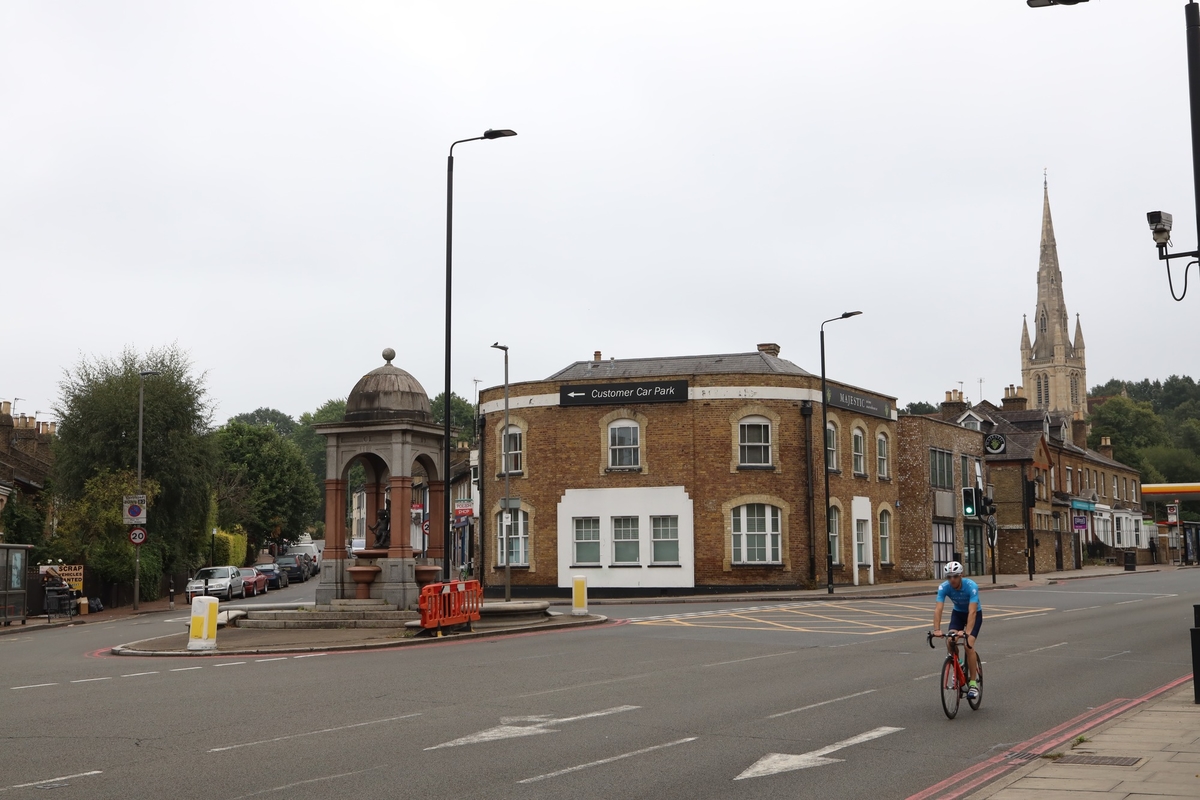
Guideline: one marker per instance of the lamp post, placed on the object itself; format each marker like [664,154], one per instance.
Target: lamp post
[825,448]
[488,134]
[137,549]
[505,511]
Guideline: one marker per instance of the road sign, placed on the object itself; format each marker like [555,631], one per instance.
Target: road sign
[137,536]
[1079,522]
[607,394]
[1172,512]
[425,527]
[135,509]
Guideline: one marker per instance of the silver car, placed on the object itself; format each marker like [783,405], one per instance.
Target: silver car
[222,582]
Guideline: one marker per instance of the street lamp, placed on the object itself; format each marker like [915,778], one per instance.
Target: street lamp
[825,449]
[488,134]
[137,549]
[505,511]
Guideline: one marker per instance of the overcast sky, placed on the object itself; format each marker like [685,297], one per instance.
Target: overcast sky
[265,185]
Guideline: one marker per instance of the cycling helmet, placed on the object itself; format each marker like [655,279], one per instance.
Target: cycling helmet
[951,569]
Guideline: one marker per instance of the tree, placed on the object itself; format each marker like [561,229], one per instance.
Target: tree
[23,520]
[919,407]
[462,416]
[283,424]
[312,446]
[276,497]
[1131,425]
[98,433]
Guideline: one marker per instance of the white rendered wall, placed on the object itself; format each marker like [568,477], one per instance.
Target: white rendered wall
[640,503]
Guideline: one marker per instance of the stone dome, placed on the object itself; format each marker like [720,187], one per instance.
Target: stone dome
[388,393]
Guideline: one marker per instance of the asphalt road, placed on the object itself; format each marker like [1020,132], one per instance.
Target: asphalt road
[678,702]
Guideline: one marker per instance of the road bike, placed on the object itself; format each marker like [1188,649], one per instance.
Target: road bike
[954,674]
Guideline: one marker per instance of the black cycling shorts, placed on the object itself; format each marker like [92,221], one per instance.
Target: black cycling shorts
[958,621]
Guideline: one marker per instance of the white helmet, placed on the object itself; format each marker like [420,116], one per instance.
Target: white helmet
[952,568]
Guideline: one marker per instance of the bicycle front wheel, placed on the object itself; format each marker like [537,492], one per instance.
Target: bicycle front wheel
[978,701]
[950,693]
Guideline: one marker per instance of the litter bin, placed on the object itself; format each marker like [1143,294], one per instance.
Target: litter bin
[1130,560]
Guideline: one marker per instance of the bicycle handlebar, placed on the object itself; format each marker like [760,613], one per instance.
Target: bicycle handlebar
[950,635]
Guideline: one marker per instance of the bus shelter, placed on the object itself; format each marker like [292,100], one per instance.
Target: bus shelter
[14,563]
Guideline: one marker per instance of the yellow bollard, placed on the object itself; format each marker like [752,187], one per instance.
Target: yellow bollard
[579,596]
[203,629]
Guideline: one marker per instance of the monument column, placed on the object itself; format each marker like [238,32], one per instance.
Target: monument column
[335,518]
[401,544]
[437,525]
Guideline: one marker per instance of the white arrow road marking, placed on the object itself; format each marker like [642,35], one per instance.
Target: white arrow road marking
[540,724]
[773,763]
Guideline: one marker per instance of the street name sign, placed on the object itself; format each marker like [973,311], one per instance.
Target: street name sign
[612,394]
[853,401]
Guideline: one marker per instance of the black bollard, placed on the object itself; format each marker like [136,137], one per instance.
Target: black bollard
[171,593]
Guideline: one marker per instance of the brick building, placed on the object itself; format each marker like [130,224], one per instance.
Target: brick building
[686,472]
[937,458]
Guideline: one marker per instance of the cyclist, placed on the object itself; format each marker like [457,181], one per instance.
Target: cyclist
[966,616]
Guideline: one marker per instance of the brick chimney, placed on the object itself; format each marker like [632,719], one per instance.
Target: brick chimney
[1014,399]
[953,406]
[596,356]
[6,408]
[1105,447]
[1079,432]
[769,348]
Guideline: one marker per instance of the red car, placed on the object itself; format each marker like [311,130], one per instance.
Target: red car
[253,581]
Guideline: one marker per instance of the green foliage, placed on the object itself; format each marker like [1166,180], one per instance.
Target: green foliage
[265,486]
[312,445]
[1175,464]
[1131,425]
[23,520]
[462,416]
[283,424]
[919,407]
[229,548]
[98,433]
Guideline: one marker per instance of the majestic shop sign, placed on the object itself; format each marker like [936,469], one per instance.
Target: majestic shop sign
[853,401]
[605,394]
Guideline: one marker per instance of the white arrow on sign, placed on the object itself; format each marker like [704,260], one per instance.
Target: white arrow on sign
[773,763]
[576,394]
[541,724]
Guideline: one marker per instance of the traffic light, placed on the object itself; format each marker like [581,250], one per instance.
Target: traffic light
[970,504]
[988,507]
[1031,493]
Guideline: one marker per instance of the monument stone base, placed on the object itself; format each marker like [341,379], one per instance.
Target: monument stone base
[396,584]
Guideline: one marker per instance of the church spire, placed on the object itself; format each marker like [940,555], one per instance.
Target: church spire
[1078,334]
[1050,316]
[1025,345]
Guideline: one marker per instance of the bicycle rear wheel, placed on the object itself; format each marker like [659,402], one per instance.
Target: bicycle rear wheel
[950,687]
[978,701]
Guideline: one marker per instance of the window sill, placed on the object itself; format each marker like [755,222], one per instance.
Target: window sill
[587,566]
[885,478]
[758,565]
[756,467]
[624,566]
[516,473]
[668,566]
[833,471]
[623,469]
[864,476]
[500,567]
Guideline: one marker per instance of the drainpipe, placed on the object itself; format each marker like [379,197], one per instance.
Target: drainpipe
[806,411]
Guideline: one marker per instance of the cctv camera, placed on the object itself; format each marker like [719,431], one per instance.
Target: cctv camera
[1160,226]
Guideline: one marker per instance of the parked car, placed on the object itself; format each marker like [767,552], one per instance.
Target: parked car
[294,566]
[276,577]
[222,582]
[313,553]
[253,581]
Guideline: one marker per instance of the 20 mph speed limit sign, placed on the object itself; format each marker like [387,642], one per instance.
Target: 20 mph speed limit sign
[137,535]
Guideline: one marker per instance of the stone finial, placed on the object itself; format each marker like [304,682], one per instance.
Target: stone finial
[388,354]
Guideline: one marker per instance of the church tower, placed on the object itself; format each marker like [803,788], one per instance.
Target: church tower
[1053,369]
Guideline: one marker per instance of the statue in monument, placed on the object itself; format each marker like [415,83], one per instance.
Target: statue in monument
[382,529]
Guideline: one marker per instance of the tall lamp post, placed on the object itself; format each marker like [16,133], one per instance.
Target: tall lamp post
[505,511]
[825,447]
[446,518]
[137,549]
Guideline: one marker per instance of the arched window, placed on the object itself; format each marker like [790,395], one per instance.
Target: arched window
[1074,390]
[858,446]
[833,526]
[881,454]
[512,544]
[885,537]
[624,444]
[831,446]
[1042,325]
[756,534]
[1039,391]
[754,442]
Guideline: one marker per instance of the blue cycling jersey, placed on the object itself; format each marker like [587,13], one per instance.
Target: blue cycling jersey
[962,597]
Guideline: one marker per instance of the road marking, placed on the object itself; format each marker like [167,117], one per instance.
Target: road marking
[89,680]
[1127,602]
[1114,655]
[1040,649]
[1127,594]
[185,669]
[310,780]
[264,660]
[311,655]
[1085,608]
[506,730]
[774,763]
[139,674]
[590,764]
[587,685]
[35,686]
[822,703]
[311,733]
[925,677]
[229,664]
[52,780]
[1026,616]
[751,658]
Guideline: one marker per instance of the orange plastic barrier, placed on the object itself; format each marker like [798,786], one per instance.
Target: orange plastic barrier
[453,603]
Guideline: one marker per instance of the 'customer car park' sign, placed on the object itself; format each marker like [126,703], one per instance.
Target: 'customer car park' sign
[611,394]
